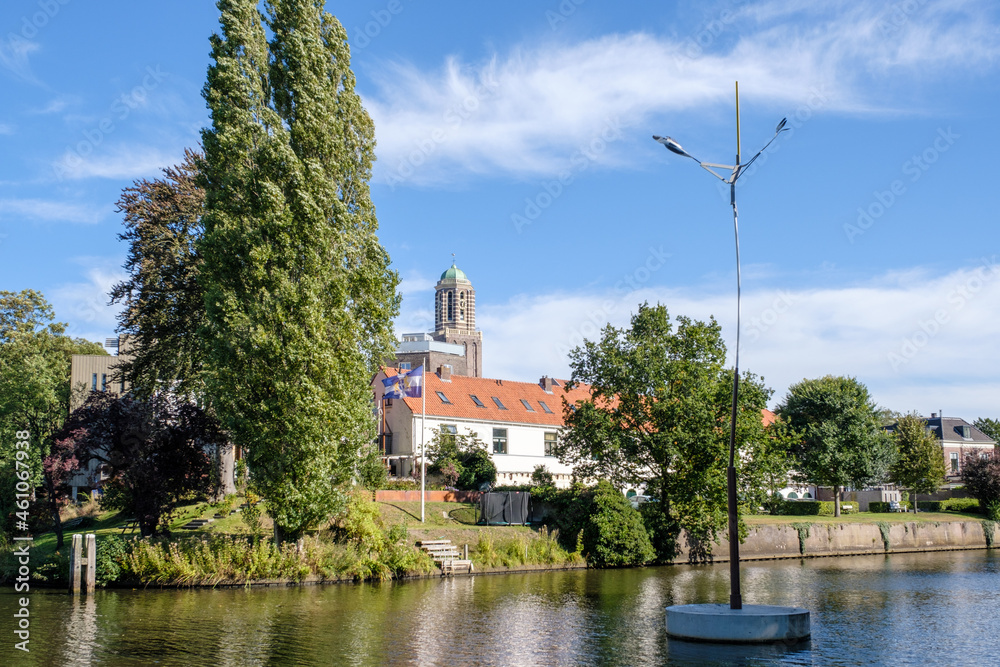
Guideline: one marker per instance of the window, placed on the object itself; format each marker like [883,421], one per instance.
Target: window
[499,404]
[499,441]
[404,365]
[104,381]
[444,399]
[475,399]
[527,406]
[545,407]
[954,461]
[93,382]
[449,429]
[967,432]
[550,443]
[792,495]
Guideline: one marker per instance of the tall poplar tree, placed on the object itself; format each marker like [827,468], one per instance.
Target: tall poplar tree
[298,291]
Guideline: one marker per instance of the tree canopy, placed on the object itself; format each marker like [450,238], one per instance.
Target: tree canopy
[35,362]
[659,416]
[842,439]
[164,307]
[990,427]
[919,465]
[298,291]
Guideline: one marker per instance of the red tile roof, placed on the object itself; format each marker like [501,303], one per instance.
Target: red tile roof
[461,389]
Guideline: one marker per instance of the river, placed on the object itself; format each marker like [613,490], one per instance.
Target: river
[907,609]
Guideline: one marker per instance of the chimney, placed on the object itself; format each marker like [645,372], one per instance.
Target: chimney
[444,372]
[546,384]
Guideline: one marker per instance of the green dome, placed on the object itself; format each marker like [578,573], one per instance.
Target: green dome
[454,273]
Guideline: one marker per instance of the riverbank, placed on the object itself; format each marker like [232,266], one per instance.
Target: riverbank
[811,539]
[221,555]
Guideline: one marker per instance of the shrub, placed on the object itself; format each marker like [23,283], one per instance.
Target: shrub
[112,553]
[879,507]
[816,507]
[961,505]
[614,535]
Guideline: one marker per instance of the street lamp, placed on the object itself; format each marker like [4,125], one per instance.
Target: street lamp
[735,171]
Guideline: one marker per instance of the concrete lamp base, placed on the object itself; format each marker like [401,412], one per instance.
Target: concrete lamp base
[753,624]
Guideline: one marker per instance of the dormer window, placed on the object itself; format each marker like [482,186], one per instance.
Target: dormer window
[967,433]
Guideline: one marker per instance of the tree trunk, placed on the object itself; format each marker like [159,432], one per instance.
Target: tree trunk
[836,501]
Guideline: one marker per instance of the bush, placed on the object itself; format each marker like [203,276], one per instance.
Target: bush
[817,507]
[112,554]
[961,505]
[569,510]
[614,535]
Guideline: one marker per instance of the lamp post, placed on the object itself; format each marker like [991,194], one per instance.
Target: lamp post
[735,171]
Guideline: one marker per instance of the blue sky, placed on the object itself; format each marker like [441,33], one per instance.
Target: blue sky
[517,136]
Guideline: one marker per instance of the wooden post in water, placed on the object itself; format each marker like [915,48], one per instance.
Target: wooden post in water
[90,576]
[75,554]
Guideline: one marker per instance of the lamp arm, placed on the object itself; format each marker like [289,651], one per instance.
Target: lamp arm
[741,168]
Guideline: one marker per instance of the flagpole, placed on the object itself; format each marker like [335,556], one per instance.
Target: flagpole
[423,416]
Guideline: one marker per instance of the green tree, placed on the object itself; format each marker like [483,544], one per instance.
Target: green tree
[462,459]
[920,464]
[299,297]
[614,535]
[842,439]
[658,416]
[164,307]
[990,427]
[541,477]
[35,362]
[764,468]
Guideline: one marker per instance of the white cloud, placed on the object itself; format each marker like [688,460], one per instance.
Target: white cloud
[529,111]
[14,52]
[6,128]
[84,305]
[920,342]
[119,162]
[52,211]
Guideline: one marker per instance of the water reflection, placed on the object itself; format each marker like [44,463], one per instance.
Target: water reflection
[914,609]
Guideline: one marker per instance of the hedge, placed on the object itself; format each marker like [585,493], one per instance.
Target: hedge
[815,507]
[950,505]
[879,507]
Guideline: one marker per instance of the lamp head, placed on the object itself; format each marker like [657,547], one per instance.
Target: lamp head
[781,126]
[672,145]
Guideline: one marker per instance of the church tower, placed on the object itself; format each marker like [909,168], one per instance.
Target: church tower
[455,318]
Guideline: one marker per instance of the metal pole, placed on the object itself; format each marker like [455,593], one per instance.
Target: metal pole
[735,598]
[423,416]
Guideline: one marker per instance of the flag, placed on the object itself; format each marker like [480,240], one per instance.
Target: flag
[413,382]
[405,384]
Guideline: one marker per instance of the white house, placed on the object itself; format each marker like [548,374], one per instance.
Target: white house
[520,422]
